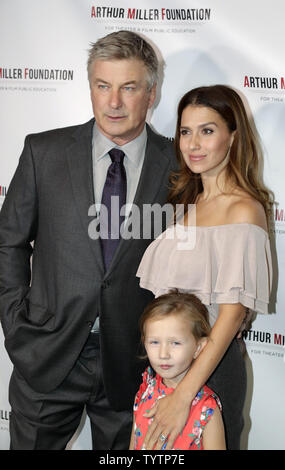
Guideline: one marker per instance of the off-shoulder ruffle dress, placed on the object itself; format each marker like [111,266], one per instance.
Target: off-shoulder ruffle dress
[222,264]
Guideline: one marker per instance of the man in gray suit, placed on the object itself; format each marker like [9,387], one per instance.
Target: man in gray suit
[71,320]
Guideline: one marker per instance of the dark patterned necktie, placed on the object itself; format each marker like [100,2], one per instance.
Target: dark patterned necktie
[113,198]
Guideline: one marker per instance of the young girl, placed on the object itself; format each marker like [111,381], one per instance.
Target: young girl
[175,329]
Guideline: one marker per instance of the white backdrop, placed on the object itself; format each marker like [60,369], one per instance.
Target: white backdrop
[201,43]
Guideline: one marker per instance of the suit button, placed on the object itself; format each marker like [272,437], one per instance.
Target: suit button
[105,284]
[89,324]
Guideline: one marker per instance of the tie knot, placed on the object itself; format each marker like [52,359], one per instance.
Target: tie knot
[117,155]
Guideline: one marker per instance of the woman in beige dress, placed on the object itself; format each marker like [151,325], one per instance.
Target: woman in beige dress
[227,262]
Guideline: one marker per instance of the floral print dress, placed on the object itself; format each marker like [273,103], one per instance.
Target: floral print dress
[202,409]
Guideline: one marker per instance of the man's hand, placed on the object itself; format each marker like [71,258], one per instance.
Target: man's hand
[170,416]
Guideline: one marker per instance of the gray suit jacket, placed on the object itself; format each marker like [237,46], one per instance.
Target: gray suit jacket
[47,310]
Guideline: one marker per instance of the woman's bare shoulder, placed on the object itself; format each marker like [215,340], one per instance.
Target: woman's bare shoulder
[245,209]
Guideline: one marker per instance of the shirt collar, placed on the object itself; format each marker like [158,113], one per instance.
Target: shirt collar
[133,149]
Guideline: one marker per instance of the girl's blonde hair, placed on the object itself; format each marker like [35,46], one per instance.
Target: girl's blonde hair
[178,303]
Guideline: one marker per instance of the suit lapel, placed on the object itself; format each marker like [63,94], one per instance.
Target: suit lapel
[155,165]
[79,157]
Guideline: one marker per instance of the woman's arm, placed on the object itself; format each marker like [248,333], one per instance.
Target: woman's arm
[171,413]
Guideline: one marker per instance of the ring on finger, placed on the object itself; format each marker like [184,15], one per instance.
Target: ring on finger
[162,437]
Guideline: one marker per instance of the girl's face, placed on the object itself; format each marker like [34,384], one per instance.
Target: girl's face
[170,346]
[204,139]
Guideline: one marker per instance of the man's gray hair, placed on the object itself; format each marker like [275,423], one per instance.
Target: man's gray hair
[125,45]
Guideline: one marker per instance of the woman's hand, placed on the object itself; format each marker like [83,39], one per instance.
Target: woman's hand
[170,416]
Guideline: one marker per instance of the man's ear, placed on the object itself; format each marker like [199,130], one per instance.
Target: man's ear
[200,346]
[152,96]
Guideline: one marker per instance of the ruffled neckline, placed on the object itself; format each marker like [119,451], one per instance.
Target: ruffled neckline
[209,227]
[228,263]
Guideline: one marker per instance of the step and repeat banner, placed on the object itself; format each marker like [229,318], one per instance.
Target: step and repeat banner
[43,85]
